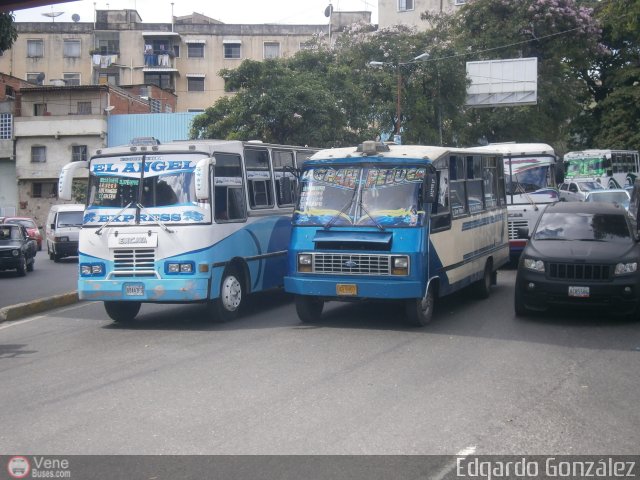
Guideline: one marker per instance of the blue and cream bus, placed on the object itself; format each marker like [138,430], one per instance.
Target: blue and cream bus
[410,223]
[183,222]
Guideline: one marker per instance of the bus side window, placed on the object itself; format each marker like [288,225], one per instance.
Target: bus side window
[259,180]
[229,204]
[286,184]
[440,213]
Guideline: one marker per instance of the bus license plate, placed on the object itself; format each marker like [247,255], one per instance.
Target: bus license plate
[580,292]
[346,289]
[134,290]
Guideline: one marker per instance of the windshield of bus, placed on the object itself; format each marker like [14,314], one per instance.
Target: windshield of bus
[585,167]
[361,196]
[530,179]
[164,190]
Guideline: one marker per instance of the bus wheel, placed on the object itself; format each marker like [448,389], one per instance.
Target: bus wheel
[122,312]
[309,309]
[420,310]
[231,295]
[483,286]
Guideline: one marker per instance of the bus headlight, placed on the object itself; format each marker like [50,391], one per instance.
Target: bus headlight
[400,265]
[533,264]
[92,269]
[178,268]
[305,261]
[625,268]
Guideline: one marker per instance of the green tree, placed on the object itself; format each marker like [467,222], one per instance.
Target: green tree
[612,103]
[8,32]
[561,34]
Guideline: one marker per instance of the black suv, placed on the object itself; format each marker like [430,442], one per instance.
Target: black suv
[17,250]
[580,254]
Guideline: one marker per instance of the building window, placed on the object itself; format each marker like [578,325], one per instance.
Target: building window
[35,77]
[155,105]
[404,5]
[271,50]
[106,46]
[159,79]
[35,48]
[108,78]
[79,153]
[71,79]
[461,2]
[71,48]
[44,189]
[195,84]
[232,50]
[38,154]
[195,110]
[39,109]
[195,50]
[84,108]
[6,126]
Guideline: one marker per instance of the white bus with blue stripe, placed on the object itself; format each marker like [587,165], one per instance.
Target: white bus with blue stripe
[409,223]
[531,184]
[184,222]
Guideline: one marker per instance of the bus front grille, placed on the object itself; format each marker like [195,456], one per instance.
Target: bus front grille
[514,225]
[571,271]
[351,264]
[134,263]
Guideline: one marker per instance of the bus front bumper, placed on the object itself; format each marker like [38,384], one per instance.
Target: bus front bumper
[387,288]
[149,290]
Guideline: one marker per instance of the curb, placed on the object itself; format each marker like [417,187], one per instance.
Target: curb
[20,310]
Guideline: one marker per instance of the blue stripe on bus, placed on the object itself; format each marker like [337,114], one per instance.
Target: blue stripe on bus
[481,222]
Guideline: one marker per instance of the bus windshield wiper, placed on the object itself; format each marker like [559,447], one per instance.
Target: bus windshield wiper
[524,192]
[99,231]
[334,219]
[377,224]
[157,220]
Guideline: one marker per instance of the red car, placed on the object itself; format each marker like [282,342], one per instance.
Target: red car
[30,225]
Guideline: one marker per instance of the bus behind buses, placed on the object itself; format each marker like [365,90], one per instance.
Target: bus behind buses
[201,221]
[611,168]
[409,223]
[531,183]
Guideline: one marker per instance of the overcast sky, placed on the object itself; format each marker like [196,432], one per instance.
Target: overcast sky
[235,11]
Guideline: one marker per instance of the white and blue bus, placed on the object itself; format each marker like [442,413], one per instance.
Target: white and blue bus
[410,223]
[530,171]
[183,222]
[611,168]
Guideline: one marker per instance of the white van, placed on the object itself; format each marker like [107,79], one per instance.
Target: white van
[62,230]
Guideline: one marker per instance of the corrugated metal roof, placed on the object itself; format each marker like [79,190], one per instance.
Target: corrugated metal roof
[166,127]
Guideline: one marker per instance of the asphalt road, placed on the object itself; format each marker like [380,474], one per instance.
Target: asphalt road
[48,278]
[358,382]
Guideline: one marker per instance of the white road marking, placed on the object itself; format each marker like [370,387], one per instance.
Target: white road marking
[462,454]
[39,317]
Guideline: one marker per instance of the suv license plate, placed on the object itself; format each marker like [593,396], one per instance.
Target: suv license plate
[346,289]
[134,290]
[580,292]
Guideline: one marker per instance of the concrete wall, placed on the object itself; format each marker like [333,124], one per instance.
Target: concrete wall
[389,15]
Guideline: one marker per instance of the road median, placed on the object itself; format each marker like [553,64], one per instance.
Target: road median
[21,310]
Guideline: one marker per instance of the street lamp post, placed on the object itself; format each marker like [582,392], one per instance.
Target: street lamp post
[398,68]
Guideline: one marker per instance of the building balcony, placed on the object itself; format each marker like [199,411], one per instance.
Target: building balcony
[159,62]
[104,60]
[60,126]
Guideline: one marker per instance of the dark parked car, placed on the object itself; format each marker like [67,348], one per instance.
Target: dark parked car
[30,225]
[17,250]
[580,254]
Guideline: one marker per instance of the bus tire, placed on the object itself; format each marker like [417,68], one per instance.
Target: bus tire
[231,295]
[420,310]
[308,308]
[122,312]
[483,286]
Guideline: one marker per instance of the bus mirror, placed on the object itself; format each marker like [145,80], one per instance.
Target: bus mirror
[430,188]
[285,192]
[65,181]
[201,173]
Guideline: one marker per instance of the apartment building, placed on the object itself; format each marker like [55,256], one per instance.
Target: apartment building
[60,124]
[407,12]
[184,56]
